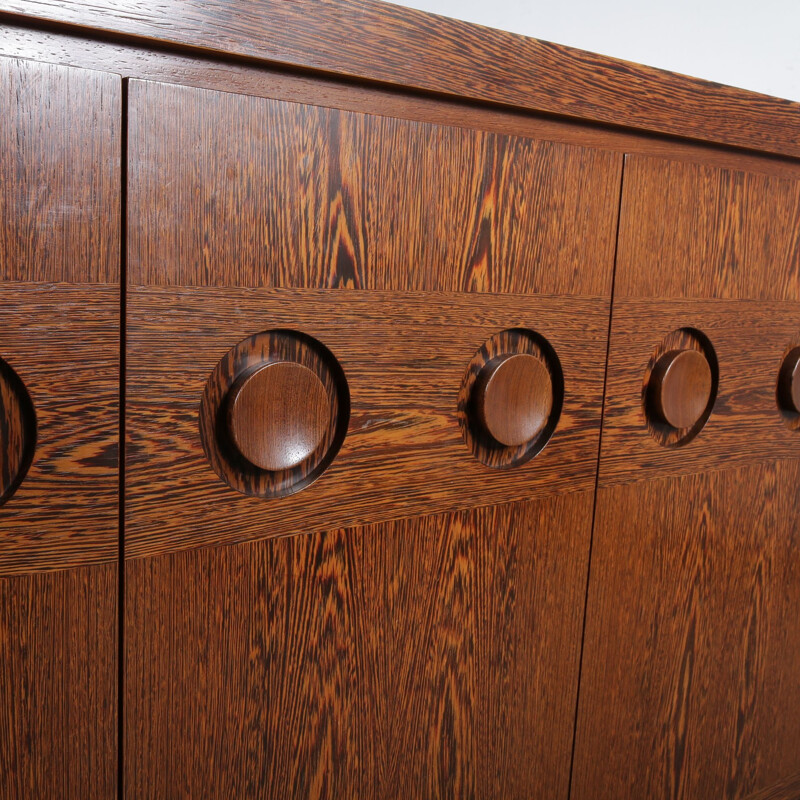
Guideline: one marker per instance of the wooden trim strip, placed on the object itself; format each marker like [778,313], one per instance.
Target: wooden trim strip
[377,41]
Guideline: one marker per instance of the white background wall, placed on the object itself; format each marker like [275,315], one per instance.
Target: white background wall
[754,44]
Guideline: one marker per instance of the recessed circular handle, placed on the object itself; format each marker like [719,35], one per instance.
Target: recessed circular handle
[789,382]
[17,431]
[681,387]
[514,398]
[278,415]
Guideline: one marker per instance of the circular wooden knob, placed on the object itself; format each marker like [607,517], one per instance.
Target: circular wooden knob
[682,384]
[278,415]
[789,382]
[514,398]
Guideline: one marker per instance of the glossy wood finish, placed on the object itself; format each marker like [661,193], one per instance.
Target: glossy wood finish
[689,683]
[59,330]
[381,42]
[515,398]
[688,686]
[204,70]
[58,684]
[427,657]
[277,416]
[229,432]
[59,162]
[682,387]
[404,355]
[400,644]
[696,230]
[65,512]
[366,202]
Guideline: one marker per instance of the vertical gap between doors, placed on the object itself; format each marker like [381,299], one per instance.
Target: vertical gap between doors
[596,478]
[123,285]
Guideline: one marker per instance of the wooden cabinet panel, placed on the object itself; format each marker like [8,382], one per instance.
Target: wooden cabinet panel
[291,195]
[59,333]
[689,680]
[419,633]
[426,657]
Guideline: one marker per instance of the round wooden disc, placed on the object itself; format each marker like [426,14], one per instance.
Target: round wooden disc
[515,398]
[683,384]
[278,415]
[16,431]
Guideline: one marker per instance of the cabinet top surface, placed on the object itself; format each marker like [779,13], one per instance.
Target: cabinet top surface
[395,46]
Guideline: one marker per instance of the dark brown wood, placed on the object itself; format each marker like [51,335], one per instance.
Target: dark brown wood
[17,431]
[472,401]
[678,396]
[60,332]
[277,416]
[789,382]
[404,642]
[404,355]
[58,684]
[262,80]
[393,45]
[788,789]
[63,340]
[366,202]
[682,382]
[688,686]
[59,173]
[225,428]
[515,398]
[689,681]
[429,657]
[675,242]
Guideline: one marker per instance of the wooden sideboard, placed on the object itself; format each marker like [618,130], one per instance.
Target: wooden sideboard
[390,407]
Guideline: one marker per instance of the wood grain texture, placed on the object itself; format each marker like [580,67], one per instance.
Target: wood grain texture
[58,684]
[204,70]
[788,789]
[399,46]
[279,349]
[434,657]
[63,342]
[404,356]
[689,230]
[689,683]
[745,425]
[232,190]
[59,173]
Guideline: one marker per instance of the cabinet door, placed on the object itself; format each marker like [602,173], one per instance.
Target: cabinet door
[59,417]
[690,683]
[405,618]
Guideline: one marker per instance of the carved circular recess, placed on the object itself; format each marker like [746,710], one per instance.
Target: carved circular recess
[680,387]
[274,413]
[17,431]
[510,398]
[788,387]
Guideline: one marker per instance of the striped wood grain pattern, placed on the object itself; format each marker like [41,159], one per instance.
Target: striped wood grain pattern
[382,42]
[426,649]
[59,329]
[749,338]
[688,686]
[404,356]
[58,684]
[59,162]
[63,342]
[234,190]
[209,71]
[432,657]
